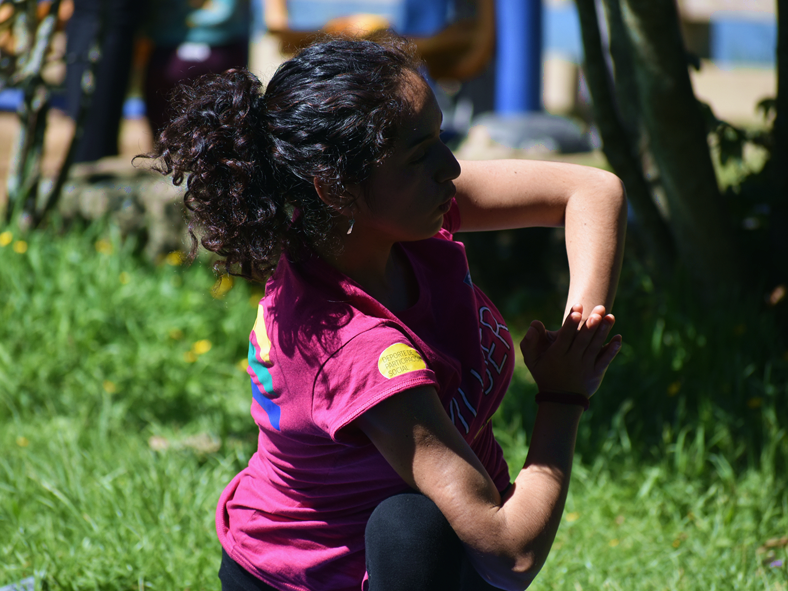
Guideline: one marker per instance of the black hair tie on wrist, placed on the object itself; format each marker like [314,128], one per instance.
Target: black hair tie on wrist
[564,398]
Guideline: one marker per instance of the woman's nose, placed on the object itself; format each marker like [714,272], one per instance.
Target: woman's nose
[449,168]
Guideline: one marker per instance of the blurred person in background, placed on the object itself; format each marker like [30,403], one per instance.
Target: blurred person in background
[191,38]
[112,25]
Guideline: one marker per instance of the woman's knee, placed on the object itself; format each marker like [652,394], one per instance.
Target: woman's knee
[410,545]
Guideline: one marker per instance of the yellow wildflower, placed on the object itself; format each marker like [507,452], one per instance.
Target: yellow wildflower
[6,238]
[201,347]
[20,247]
[103,246]
[175,258]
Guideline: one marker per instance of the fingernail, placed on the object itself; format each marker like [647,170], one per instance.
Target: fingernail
[616,346]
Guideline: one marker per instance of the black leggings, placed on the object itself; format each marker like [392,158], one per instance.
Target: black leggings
[409,547]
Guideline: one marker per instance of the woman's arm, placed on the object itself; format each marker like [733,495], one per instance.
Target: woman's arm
[590,203]
[507,539]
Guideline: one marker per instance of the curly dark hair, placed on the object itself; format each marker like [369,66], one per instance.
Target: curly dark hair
[250,158]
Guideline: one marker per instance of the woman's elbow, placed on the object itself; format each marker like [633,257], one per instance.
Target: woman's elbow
[516,574]
[601,193]
[616,195]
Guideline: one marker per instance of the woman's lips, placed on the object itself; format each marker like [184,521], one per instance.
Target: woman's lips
[446,205]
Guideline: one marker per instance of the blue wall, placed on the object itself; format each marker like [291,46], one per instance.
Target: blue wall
[734,39]
[738,41]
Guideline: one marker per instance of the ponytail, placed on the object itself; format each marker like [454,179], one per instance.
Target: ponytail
[250,158]
[217,141]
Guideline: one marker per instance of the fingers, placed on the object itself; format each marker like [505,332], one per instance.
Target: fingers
[566,334]
[600,336]
[535,332]
[607,354]
[533,341]
[600,309]
[590,328]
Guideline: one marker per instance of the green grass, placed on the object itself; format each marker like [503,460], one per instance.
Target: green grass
[124,412]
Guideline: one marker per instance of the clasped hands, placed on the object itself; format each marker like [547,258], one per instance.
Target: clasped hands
[575,357]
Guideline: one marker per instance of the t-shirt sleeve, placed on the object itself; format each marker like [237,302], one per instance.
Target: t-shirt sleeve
[369,368]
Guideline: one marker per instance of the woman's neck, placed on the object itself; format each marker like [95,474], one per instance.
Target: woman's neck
[378,268]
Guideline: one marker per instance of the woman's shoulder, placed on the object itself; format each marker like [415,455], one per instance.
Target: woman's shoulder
[310,307]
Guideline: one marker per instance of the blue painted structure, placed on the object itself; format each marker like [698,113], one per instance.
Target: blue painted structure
[518,67]
[735,39]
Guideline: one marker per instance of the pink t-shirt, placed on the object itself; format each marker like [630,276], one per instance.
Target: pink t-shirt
[322,352]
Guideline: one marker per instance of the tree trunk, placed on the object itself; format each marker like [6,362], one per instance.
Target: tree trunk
[678,141]
[625,83]
[617,144]
[25,171]
[779,158]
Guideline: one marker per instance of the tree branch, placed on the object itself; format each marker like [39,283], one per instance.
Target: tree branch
[617,145]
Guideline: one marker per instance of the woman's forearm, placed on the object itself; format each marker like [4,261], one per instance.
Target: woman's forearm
[532,509]
[590,203]
[545,477]
[595,226]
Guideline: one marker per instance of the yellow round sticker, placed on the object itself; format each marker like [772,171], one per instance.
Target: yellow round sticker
[399,359]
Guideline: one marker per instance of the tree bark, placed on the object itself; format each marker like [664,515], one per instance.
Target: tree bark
[617,144]
[625,83]
[678,140]
[779,157]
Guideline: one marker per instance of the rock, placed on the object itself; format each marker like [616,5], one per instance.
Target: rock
[142,203]
[535,132]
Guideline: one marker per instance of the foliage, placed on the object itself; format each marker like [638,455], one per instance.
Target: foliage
[701,387]
[662,143]
[124,412]
[27,28]
[117,383]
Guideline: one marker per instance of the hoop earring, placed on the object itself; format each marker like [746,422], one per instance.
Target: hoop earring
[352,223]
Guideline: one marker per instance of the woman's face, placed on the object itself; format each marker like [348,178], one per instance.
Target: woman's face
[408,194]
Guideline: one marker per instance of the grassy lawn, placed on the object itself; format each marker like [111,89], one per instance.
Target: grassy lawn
[124,412]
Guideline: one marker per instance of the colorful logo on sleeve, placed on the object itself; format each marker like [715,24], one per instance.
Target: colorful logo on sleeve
[262,381]
[399,359]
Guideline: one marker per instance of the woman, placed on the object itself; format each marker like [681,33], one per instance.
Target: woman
[376,364]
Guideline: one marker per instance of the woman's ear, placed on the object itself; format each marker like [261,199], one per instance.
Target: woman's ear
[344,205]
[323,193]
